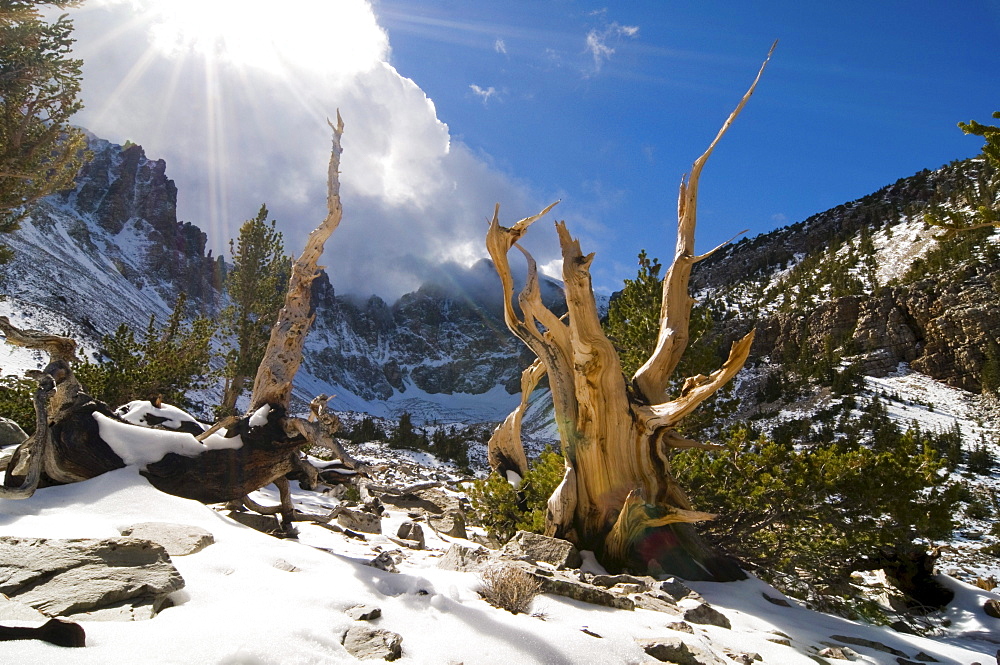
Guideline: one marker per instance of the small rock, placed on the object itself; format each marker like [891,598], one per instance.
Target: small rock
[675,650]
[744,658]
[413,532]
[364,612]
[562,585]
[655,602]
[681,627]
[780,602]
[367,643]
[926,658]
[359,520]
[177,539]
[386,561]
[678,590]
[608,581]
[992,608]
[281,564]
[838,653]
[705,614]
[451,523]
[538,548]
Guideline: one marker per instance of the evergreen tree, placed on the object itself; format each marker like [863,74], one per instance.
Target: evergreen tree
[367,430]
[39,84]
[504,509]
[985,212]
[406,435]
[818,509]
[989,132]
[633,320]
[256,285]
[166,363]
[633,324]
[990,376]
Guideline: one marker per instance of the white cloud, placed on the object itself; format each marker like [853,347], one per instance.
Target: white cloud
[500,46]
[484,94]
[237,130]
[597,41]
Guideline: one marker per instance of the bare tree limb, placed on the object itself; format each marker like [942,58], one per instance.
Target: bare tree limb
[273,384]
[675,310]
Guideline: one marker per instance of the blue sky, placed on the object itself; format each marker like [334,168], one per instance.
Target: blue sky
[459,104]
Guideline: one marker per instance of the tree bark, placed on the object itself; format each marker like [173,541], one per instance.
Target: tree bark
[67,444]
[618,497]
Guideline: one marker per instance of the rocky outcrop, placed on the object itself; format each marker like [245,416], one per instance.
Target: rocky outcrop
[942,328]
[114,578]
[542,549]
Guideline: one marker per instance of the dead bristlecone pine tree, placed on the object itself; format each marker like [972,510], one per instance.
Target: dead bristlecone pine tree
[618,496]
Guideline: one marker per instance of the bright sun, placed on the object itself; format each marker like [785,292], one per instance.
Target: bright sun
[335,36]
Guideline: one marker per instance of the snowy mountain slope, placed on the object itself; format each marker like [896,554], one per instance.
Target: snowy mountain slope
[111,251]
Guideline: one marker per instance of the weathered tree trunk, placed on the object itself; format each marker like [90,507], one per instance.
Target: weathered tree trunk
[67,444]
[618,497]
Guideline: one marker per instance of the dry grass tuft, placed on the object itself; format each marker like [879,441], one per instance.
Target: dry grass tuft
[508,587]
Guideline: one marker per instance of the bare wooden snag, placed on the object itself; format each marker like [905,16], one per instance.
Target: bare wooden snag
[618,496]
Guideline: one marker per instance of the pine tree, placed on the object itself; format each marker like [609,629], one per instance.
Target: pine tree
[256,285]
[633,315]
[166,363]
[39,84]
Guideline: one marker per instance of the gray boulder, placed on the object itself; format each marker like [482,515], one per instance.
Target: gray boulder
[412,533]
[359,520]
[386,561]
[678,590]
[176,539]
[73,577]
[465,559]
[367,643]
[675,650]
[11,433]
[429,500]
[707,615]
[535,547]
[364,612]
[451,523]
[655,602]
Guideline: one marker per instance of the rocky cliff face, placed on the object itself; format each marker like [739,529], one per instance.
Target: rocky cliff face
[871,283]
[110,250]
[441,340]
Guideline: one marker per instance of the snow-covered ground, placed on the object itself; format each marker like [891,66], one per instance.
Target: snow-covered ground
[251,599]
